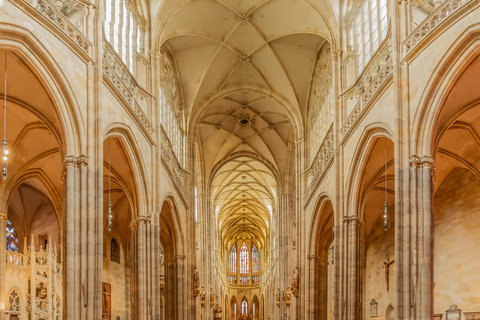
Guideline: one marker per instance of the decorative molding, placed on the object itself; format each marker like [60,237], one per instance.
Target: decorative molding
[50,12]
[372,81]
[423,162]
[177,174]
[180,257]
[320,164]
[72,161]
[123,82]
[432,22]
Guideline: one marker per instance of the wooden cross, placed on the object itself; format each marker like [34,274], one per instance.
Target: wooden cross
[386,265]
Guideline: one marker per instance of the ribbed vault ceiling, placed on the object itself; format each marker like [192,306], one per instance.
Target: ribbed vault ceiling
[244,190]
[245,70]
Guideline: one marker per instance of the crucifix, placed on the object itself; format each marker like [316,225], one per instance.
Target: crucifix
[386,265]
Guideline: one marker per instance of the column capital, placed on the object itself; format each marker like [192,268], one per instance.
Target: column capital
[312,257]
[180,257]
[3,216]
[422,162]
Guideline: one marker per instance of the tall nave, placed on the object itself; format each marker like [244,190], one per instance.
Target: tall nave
[240,159]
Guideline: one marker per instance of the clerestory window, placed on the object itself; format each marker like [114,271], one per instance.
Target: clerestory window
[123,30]
[367,30]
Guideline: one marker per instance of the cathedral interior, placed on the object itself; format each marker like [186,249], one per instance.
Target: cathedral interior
[240,159]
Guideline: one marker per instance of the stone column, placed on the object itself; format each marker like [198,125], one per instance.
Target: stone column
[3,247]
[423,169]
[141,267]
[69,164]
[312,302]
[180,293]
[352,224]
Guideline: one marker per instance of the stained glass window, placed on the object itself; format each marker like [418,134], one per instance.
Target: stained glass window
[255,259]
[244,259]
[12,240]
[244,308]
[233,259]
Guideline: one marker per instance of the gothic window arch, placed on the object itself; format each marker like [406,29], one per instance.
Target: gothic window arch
[12,239]
[14,302]
[114,251]
[123,30]
[244,265]
[255,259]
[171,103]
[244,308]
[321,101]
[367,30]
[233,259]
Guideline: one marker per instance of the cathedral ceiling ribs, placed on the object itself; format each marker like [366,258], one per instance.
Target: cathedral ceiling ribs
[243,188]
[264,44]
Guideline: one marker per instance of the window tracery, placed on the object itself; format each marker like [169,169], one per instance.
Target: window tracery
[233,259]
[171,103]
[244,259]
[321,101]
[12,239]
[14,302]
[255,259]
[123,30]
[367,30]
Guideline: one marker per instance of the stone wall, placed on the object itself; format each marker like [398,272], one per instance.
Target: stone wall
[380,246]
[457,239]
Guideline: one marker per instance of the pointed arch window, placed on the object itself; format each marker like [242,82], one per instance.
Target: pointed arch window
[244,308]
[244,259]
[233,259]
[14,302]
[255,259]
[12,239]
[115,251]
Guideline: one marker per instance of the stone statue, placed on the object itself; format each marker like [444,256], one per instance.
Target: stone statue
[212,298]
[196,284]
[287,296]
[278,298]
[202,297]
[295,282]
[42,291]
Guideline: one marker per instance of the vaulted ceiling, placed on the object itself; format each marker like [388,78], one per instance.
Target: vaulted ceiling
[245,69]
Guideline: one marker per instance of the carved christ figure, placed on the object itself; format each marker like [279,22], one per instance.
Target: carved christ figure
[386,265]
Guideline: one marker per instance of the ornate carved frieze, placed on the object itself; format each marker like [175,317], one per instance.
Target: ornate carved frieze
[435,19]
[379,70]
[170,160]
[169,82]
[320,164]
[50,12]
[122,81]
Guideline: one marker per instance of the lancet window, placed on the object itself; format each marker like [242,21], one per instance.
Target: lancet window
[12,239]
[367,30]
[244,259]
[233,259]
[255,259]
[123,30]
